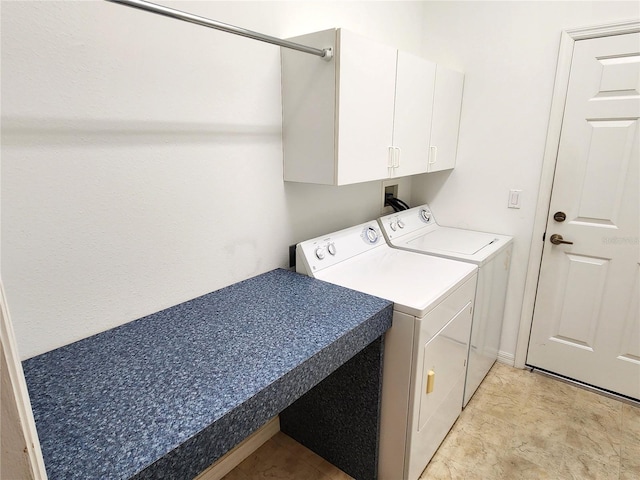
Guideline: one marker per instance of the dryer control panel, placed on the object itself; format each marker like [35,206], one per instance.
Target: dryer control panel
[322,252]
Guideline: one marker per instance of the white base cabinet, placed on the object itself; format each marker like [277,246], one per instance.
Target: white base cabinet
[367,114]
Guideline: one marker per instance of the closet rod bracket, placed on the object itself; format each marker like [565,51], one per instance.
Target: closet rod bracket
[325,53]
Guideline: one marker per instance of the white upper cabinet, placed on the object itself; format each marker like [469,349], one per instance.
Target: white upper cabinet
[365,115]
[337,115]
[413,114]
[447,104]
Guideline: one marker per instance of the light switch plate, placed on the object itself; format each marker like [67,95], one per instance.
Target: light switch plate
[515,199]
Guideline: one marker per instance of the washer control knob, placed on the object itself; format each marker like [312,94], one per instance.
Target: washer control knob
[331,248]
[426,215]
[400,224]
[393,225]
[320,253]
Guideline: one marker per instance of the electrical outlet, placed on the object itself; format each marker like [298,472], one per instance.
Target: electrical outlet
[388,189]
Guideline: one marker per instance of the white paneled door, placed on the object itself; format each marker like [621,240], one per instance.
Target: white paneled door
[586,323]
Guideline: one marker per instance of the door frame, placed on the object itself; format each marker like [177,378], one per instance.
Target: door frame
[22,432]
[561,84]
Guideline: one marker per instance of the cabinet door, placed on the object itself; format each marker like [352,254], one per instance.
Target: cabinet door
[447,103]
[366,72]
[415,80]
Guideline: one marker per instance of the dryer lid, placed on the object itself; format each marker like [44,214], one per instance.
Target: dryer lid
[450,240]
[414,282]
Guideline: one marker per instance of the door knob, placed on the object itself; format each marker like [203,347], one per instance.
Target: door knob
[557,240]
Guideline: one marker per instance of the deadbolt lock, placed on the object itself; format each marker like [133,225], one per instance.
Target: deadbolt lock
[559,216]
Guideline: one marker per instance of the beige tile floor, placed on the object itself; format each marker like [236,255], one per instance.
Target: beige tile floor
[518,425]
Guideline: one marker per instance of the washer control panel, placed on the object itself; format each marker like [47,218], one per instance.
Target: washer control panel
[407,221]
[396,224]
[322,252]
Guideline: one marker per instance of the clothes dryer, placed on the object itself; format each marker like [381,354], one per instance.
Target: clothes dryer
[425,351]
[416,230]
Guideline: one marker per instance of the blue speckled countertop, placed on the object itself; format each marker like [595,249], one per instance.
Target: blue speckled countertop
[166,395]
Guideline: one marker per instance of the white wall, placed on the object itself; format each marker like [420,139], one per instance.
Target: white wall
[141,156]
[508,51]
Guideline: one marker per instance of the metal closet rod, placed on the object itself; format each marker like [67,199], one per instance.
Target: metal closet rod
[326,53]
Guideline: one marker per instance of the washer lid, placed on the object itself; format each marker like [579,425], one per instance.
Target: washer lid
[455,243]
[449,240]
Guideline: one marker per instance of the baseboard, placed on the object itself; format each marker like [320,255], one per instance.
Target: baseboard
[234,457]
[506,358]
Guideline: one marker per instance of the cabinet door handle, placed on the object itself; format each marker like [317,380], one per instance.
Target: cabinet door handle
[390,157]
[396,158]
[433,158]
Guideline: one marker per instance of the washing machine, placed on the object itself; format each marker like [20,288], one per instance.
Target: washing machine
[417,230]
[425,351]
